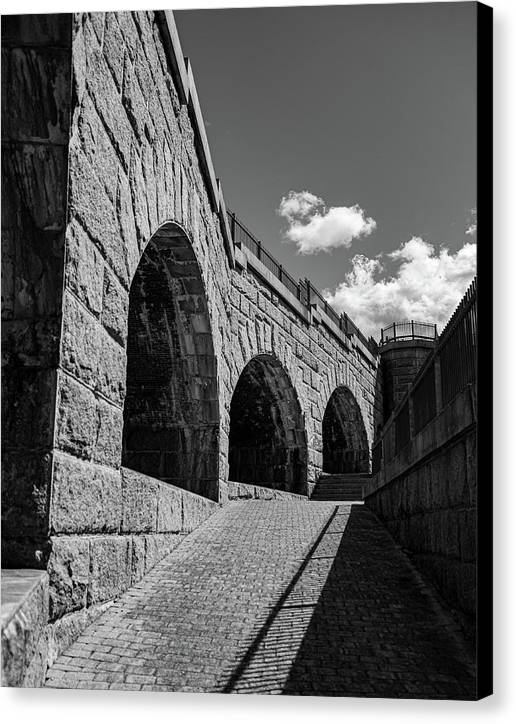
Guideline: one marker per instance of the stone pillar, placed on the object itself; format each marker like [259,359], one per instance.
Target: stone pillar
[36,79]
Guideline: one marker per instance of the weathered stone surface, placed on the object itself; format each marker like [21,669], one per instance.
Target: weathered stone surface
[114,47]
[37,669]
[26,480]
[158,546]
[138,547]
[37,94]
[139,502]
[169,509]
[40,171]
[24,618]
[243,491]
[80,347]
[96,144]
[84,268]
[111,371]
[94,209]
[52,29]
[115,304]
[28,405]
[69,572]
[108,434]
[103,90]
[64,631]
[110,567]
[76,418]
[87,498]
[195,511]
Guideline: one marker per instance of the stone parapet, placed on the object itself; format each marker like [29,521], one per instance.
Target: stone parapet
[25,599]
[427,497]
[245,491]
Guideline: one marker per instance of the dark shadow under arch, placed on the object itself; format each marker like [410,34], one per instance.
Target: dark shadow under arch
[267,439]
[171,412]
[345,444]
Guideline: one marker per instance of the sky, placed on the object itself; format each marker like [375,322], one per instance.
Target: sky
[345,139]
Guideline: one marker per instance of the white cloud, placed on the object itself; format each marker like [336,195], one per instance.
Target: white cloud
[472,228]
[427,286]
[314,228]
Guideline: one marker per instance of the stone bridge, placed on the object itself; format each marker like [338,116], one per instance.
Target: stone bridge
[137,332]
[157,361]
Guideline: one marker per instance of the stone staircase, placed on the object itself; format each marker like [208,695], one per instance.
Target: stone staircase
[340,487]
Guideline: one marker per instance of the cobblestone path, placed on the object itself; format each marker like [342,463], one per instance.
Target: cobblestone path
[280,597]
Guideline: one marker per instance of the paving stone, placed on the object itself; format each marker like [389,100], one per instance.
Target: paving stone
[285,597]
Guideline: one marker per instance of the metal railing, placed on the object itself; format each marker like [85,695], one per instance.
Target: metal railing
[458,354]
[408,330]
[303,290]
[447,372]
[424,402]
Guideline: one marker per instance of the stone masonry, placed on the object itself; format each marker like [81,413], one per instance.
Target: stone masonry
[281,597]
[110,196]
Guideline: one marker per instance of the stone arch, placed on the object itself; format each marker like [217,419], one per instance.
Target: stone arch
[344,435]
[171,411]
[267,438]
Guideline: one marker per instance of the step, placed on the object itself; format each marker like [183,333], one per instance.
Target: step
[350,484]
[339,488]
[345,475]
[336,498]
[345,478]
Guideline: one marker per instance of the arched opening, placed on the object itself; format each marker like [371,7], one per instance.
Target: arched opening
[345,445]
[267,440]
[171,413]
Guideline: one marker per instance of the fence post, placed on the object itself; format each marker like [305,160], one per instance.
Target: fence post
[412,422]
[259,255]
[412,327]
[394,330]
[280,272]
[233,226]
[438,385]
[308,293]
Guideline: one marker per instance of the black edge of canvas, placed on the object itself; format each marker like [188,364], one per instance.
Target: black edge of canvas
[485,350]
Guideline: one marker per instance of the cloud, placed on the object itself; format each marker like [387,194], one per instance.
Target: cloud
[314,228]
[472,228]
[426,286]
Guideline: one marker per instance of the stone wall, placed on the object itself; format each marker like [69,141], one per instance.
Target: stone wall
[126,170]
[426,495]
[36,98]
[424,484]
[316,363]
[91,564]
[243,491]
[24,627]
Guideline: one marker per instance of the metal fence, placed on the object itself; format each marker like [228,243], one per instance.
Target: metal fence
[455,358]
[458,355]
[423,397]
[303,290]
[402,427]
[408,330]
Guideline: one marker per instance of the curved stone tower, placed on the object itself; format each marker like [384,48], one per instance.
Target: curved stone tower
[403,348]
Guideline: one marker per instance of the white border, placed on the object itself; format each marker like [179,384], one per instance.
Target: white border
[81,707]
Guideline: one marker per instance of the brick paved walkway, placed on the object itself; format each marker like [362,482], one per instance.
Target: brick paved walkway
[277,597]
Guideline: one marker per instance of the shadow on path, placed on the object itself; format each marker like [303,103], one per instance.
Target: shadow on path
[357,620]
